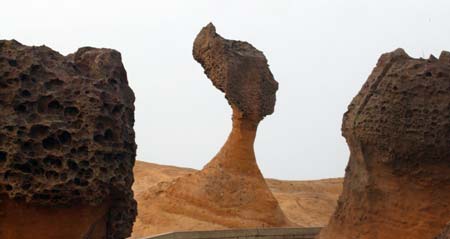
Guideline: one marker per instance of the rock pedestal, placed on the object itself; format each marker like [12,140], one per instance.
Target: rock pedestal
[230,191]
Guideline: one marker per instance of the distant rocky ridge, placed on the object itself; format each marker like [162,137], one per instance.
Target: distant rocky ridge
[67,146]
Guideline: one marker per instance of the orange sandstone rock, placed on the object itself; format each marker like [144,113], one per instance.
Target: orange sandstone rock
[397,182]
[230,190]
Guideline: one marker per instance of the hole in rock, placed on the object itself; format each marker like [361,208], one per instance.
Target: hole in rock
[52,175]
[64,137]
[50,143]
[38,131]
[26,186]
[3,156]
[71,111]
[84,163]
[109,135]
[25,93]
[112,81]
[25,168]
[53,84]
[40,196]
[72,165]
[12,63]
[20,108]
[54,105]
[98,138]
[52,161]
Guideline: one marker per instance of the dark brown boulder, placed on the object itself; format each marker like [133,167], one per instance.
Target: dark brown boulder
[66,142]
[397,182]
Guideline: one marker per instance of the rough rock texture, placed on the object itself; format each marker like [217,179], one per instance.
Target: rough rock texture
[230,190]
[239,70]
[397,182]
[307,203]
[445,234]
[66,134]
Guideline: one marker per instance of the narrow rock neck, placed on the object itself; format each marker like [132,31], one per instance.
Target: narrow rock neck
[237,154]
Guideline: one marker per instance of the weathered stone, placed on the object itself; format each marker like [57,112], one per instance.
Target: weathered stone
[66,133]
[397,182]
[239,70]
[229,191]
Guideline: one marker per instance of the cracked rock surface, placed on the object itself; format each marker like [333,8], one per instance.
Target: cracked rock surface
[66,131]
[397,182]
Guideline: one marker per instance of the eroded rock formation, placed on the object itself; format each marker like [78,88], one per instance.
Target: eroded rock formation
[230,190]
[397,182]
[67,144]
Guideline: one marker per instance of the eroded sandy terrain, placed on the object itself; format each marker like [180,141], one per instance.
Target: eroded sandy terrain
[305,203]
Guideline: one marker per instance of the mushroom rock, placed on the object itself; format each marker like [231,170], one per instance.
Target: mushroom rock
[397,182]
[229,191]
[67,144]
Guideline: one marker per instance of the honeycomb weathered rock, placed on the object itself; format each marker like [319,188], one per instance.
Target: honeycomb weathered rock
[237,69]
[397,182]
[66,130]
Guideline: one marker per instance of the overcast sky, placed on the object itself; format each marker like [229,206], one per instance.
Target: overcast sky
[320,52]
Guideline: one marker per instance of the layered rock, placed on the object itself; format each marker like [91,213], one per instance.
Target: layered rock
[397,182]
[229,191]
[67,144]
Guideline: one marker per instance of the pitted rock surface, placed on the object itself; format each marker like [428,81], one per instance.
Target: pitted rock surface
[239,70]
[397,182]
[66,130]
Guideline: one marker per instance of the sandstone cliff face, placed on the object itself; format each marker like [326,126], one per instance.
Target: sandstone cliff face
[397,182]
[230,190]
[66,143]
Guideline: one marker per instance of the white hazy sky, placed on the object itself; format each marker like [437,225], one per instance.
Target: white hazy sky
[319,51]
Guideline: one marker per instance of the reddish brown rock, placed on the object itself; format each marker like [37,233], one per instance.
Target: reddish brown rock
[445,234]
[230,191]
[66,143]
[397,182]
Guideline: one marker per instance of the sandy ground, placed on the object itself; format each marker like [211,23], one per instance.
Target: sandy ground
[306,203]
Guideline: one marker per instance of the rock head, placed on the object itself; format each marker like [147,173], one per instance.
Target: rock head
[229,191]
[397,182]
[239,70]
[67,145]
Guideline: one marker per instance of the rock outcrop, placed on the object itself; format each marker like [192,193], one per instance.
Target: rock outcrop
[397,182]
[67,145]
[230,190]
